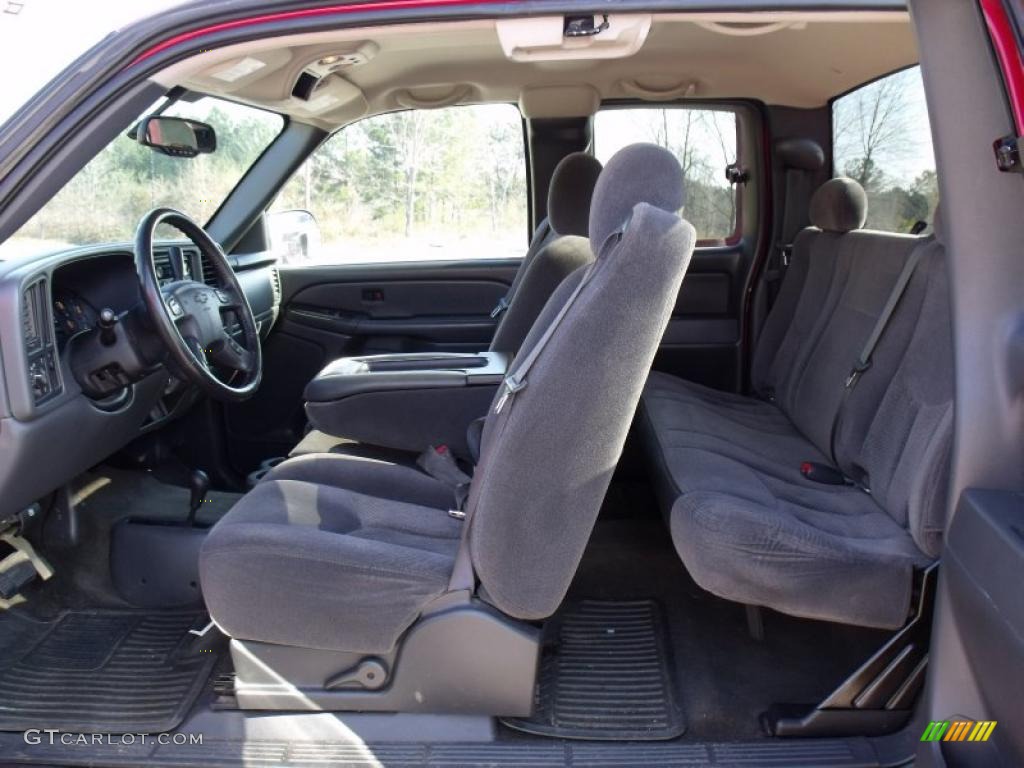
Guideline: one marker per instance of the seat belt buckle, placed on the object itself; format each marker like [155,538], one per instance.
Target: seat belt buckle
[823,473]
[438,462]
[458,514]
[500,307]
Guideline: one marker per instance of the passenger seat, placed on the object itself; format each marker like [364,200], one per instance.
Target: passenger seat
[746,481]
[558,248]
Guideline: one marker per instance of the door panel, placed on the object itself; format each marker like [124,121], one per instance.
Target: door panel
[981,570]
[702,341]
[338,311]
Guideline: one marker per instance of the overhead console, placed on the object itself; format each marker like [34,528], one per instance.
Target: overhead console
[573,36]
[406,401]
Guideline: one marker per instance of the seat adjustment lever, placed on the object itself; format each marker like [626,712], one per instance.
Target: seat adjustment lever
[370,674]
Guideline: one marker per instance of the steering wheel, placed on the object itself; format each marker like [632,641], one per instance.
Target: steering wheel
[189,316]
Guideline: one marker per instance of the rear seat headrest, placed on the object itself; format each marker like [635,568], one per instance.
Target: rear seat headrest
[639,173]
[804,154]
[839,205]
[572,187]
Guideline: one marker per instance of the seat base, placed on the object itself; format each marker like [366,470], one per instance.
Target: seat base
[465,659]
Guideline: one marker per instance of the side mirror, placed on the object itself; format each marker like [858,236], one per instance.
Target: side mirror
[294,235]
[176,136]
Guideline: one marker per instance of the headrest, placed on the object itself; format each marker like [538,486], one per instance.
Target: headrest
[839,205]
[937,225]
[572,187]
[804,154]
[639,173]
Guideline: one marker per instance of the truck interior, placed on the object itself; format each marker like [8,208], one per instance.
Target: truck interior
[487,385]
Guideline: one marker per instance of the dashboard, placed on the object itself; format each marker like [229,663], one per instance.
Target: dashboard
[45,304]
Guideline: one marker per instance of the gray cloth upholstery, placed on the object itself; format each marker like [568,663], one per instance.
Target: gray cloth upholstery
[839,205]
[316,566]
[555,262]
[361,474]
[316,441]
[569,193]
[548,455]
[748,524]
[335,552]
[649,179]
[572,186]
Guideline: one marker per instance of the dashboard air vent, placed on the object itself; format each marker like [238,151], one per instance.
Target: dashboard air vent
[34,315]
[189,261]
[275,282]
[162,262]
[209,272]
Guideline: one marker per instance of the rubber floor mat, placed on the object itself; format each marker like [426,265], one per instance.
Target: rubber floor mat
[606,674]
[100,671]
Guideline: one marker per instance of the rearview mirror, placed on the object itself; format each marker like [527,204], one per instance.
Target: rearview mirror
[176,136]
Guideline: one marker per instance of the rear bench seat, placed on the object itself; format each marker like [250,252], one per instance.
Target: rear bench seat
[747,522]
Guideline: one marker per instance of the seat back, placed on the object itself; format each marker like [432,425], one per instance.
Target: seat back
[894,429]
[549,450]
[559,246]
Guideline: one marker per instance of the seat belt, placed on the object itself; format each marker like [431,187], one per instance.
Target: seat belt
[863,362]
[797,192]
[463,576]
[506,301]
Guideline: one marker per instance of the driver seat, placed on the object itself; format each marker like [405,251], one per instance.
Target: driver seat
[337,572]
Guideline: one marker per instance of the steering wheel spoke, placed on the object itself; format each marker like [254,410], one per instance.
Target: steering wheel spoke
[231,354]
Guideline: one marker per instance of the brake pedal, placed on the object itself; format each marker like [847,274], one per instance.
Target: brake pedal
[19,569]
[14,578]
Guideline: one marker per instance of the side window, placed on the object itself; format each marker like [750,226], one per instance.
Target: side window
[704,142]
[410,186]
[881,138]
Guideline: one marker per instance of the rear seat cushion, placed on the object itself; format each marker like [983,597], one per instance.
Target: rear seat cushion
[820,552]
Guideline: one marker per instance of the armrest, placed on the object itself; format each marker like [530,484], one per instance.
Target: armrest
[407,402]
[350,376]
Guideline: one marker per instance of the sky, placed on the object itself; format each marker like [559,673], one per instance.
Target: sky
[39,38]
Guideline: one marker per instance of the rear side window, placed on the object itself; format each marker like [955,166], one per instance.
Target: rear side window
[704,142]
[417,185]
[881,138]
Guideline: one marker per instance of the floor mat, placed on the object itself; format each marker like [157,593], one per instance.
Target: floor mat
[100,671]
[605,674]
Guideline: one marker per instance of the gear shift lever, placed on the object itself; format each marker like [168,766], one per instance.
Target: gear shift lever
[199,484]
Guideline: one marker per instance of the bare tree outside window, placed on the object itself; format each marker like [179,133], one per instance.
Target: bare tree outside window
[882,139]
[704,142]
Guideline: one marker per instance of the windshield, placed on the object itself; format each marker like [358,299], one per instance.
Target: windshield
[105,200]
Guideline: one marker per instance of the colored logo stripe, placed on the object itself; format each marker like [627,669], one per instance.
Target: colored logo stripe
[958,730]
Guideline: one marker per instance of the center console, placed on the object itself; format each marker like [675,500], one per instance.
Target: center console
[405,401]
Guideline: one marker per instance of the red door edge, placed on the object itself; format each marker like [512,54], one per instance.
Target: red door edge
[379,5]
[1004,42]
